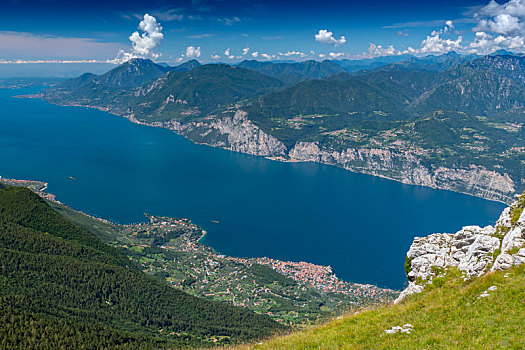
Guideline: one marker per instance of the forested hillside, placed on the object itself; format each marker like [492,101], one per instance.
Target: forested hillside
[61,287]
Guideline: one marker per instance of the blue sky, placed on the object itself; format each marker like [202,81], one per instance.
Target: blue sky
[229,31]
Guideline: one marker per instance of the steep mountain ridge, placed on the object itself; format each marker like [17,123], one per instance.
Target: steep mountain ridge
[412,82]
[186,66]
[197,92]
[130,74]
[371,63]
[490,85]
[458,128]
[293,73]
[437,63]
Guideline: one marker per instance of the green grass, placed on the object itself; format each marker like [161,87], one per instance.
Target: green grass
[447,315]
[517,210]
[408,264]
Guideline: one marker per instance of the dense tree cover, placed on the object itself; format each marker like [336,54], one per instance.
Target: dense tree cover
[293,73]
[26,330]
[184,95]
[24,208]
[60,285]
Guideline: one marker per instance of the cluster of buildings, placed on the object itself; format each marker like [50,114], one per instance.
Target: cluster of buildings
[320,277]
[38,187]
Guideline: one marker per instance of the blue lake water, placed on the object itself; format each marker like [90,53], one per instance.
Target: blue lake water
[360,225]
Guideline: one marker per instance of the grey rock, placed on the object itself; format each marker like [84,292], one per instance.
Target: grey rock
[473,250]
[406,167]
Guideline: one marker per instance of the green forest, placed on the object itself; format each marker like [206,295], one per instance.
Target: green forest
[63,288]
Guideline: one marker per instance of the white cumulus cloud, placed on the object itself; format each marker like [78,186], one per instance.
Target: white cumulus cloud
[292,53]
[505,19]
[255,54]
[326,37]
[193,52]
[245,51]
[143,44]
[228,54]
[484,43]
[435,44]
[269,56]
[380,51]
[499,27]
[336,55]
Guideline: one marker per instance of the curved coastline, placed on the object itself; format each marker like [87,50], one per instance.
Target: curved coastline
[420,177]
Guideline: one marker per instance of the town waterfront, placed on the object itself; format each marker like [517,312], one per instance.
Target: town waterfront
[250,206]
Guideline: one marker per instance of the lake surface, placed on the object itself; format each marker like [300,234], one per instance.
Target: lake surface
[360,225]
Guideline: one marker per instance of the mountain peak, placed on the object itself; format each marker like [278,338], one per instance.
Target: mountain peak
[188,65]
[138,62]
[132,73]
[501,53]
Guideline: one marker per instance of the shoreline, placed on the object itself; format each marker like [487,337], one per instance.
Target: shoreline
[40,187]
[283,159]
[271,262]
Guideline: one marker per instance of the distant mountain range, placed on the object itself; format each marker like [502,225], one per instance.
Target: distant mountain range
[292,73]
[434,114]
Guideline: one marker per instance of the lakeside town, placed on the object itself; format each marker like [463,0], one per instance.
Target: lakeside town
[291,292]
[295,293]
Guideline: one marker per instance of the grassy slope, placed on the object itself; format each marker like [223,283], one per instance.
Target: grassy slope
[447,315]
[104,230]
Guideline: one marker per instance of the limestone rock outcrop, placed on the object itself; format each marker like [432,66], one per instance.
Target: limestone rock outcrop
[407,168]
[234,132]
[473,250]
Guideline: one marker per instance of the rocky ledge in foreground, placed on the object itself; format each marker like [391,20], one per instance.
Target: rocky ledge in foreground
[473,250]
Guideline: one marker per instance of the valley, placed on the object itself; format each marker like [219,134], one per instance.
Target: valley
[264,208]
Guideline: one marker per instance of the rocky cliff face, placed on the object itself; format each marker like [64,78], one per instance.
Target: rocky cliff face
[473,250]
[236,133]
[232,131]
[407,168]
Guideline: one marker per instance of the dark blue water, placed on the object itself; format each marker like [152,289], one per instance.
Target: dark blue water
[360,225]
